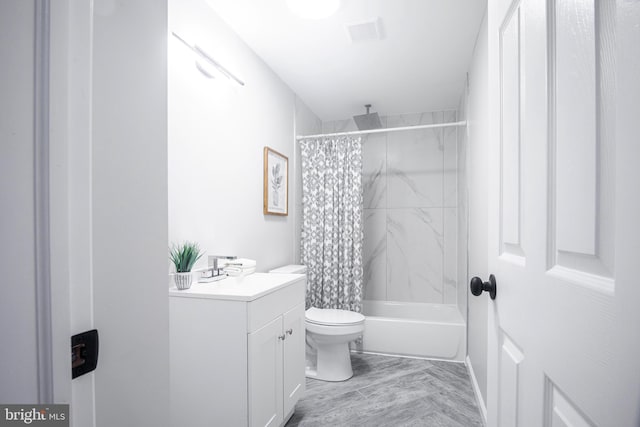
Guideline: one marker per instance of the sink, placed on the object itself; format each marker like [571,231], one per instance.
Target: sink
[241,288]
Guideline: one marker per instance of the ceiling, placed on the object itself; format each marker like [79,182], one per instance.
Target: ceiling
[418,65]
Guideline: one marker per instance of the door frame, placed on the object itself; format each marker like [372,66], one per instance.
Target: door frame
[69,175]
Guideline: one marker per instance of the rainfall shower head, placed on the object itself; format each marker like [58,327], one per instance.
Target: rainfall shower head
[368,121]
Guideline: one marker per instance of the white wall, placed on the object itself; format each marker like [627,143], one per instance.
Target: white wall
[18,366]
[129,211]
[477,150]
[217,132]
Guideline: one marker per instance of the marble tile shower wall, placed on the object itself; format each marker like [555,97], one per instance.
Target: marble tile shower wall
[410,208]
[463,213]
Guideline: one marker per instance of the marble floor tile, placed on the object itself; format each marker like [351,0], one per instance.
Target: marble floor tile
[390,391]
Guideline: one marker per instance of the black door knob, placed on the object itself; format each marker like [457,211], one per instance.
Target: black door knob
[477,286]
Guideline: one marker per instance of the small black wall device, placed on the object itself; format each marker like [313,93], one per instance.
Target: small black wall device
[84,353]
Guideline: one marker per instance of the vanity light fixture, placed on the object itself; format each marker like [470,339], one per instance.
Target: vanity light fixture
[205,63]
[313,9]
[204,69]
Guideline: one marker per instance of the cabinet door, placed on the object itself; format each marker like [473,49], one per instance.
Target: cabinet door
[265,375]
[294,357]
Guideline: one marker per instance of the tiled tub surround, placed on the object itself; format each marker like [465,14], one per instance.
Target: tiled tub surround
[410,201]
[463,217]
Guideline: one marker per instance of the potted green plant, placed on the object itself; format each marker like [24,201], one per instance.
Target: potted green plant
[184,256]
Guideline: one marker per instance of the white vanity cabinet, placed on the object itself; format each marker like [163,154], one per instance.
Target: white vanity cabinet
[237,351]
[276,368]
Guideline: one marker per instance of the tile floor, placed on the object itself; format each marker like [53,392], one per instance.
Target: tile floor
[390,391]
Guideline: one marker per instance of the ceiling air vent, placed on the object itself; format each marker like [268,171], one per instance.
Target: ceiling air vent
[365,31]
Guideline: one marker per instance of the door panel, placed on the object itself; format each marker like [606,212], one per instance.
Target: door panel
[560,412]
[510,359]
[553,232]
[294,357]
[510,136]
[581,145]
[573,122]
[265,375]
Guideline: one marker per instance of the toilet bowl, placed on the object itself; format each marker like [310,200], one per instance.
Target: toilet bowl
[329,332]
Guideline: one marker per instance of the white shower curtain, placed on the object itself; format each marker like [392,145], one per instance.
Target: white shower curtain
[332,221]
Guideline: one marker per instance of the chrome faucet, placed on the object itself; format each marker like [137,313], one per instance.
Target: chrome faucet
[214,269]
[213,261]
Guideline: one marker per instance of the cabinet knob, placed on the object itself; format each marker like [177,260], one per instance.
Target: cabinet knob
[290,331]
[281,337]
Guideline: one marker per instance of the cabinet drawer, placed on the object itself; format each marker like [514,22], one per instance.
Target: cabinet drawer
[263,310]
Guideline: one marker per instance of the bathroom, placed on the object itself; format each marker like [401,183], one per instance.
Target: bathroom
[499,231]
[413,184]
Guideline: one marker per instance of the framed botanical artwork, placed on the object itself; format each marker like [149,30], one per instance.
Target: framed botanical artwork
[276,183]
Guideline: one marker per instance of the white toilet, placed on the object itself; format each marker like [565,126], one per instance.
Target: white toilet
[329,333]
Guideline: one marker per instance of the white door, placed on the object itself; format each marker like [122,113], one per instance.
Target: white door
[563,213]
[294,357]
[265,375]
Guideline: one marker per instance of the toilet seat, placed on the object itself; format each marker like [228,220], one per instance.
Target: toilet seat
[333,317]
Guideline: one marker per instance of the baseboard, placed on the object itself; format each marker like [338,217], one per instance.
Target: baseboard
[404,356]
[476,391]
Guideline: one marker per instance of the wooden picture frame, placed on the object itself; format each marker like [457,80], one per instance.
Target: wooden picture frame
[276,183]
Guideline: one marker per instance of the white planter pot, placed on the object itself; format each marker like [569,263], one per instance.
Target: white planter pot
[183,280]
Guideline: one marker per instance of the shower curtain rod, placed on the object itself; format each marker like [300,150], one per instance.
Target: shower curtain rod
[361,132]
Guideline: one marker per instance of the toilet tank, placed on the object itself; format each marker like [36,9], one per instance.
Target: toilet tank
[290,269]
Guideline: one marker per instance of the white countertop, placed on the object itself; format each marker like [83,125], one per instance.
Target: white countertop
[247,288]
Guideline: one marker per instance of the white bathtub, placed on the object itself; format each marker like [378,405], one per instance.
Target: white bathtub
[433,331]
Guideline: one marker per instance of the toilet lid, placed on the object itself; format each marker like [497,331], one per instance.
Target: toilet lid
[330,316]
